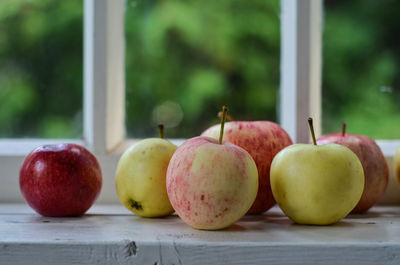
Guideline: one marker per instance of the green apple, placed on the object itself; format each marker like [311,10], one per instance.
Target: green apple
[140,177]
[316,184]
[376,169]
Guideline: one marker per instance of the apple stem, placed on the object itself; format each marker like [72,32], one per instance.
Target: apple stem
[161,130]
[228,117]
[221,133]
[343,128]
[310,123]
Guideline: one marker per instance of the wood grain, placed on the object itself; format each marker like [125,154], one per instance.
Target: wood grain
[112,235]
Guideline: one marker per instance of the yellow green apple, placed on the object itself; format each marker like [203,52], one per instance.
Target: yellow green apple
[376,169]
[140,177]
[211,183]
[316,184]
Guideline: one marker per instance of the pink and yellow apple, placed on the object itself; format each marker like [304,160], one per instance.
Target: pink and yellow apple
[263,140]
[211,183]
[375,167]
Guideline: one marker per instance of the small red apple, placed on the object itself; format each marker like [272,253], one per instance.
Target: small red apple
[60,180]
[263,140]
[375,167]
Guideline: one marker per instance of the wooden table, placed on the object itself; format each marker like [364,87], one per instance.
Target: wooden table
[111,235]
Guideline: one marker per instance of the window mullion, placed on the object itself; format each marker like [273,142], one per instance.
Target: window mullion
[104,74]
[301,30]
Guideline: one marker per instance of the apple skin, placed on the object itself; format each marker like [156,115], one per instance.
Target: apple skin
[375,167]
[396,162]
[140,177]
[60,180]
[263,140]
[316,184]
[211,185]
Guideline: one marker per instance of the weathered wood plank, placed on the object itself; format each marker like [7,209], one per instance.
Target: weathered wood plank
[111,235]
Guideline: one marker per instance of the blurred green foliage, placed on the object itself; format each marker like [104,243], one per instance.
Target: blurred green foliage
[361,69]
[187,58]
[41,68]
[198,56]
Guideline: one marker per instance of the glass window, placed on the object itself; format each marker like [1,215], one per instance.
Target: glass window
[361,71]
[41,68]
[185,59]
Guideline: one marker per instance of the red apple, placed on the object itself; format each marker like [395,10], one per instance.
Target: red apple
[60,180]
[375,167]
[263,140]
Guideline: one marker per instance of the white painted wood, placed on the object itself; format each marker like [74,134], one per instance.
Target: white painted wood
[115,124]
[315,57]
[392,194]
[300,94]
[129,142]
[21,147]
[112,235]
[388,147]
[104,74]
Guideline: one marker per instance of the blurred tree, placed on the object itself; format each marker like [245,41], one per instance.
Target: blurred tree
[185,59]
[361,81]
[41,68]
[200,55]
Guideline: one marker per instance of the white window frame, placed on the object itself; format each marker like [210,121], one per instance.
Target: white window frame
[104,89]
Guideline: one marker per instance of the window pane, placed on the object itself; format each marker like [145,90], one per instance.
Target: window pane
[185,59]
[361,75]
[41,68]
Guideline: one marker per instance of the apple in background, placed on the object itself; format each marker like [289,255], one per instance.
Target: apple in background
[60,180]
[140,177]
[263,140]
[211,183]
[316,184]
[397,165]
[376,169]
